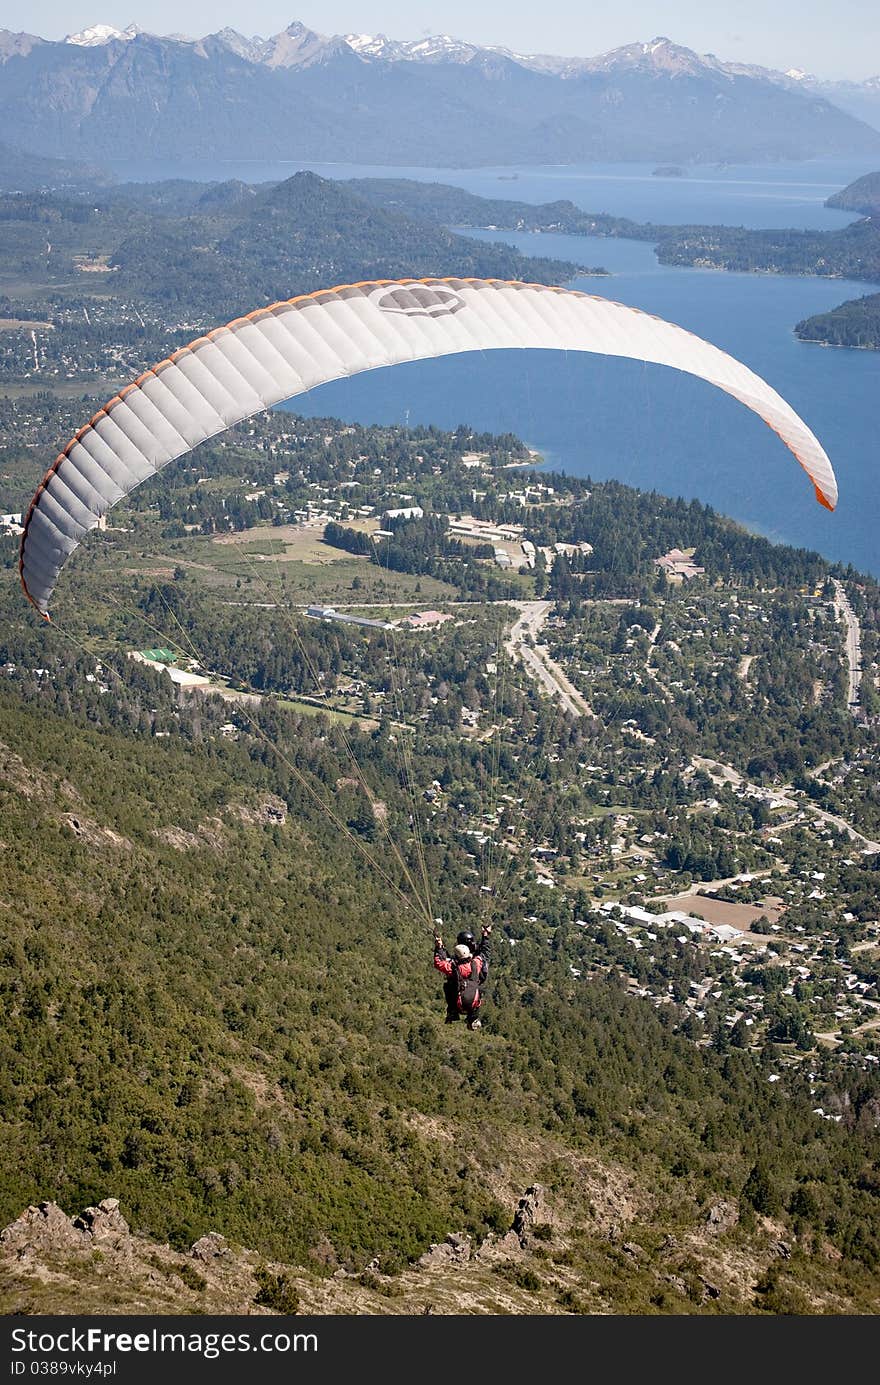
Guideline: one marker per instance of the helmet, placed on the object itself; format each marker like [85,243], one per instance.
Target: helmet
[462,953]
[467,939]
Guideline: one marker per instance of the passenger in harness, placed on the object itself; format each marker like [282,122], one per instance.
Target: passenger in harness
[465,971]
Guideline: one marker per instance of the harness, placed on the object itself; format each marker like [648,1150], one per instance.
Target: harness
[468,986]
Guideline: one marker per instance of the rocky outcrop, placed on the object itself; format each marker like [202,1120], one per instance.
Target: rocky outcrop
[45,1232]
[78,1264]
[92,834]
[209,1247]
[455,1250]
[104,1222]
[722,1216]
[44,1228]
[53,1263]
[270,811]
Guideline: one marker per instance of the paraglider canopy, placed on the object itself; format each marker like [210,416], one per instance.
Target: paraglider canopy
[284,350]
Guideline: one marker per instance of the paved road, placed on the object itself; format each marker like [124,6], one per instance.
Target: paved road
[721,771]
[538,662]
[784,797]
[869,847]
[853,643]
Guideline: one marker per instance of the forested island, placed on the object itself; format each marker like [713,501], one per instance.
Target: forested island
[855,323]
[851,253]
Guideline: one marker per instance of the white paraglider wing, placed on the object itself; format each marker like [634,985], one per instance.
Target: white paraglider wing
[281,351]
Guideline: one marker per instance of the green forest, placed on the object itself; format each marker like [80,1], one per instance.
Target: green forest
[206,254]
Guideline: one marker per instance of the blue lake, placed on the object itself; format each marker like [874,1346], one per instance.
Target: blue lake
[656,428]
[648,426]
[782,194]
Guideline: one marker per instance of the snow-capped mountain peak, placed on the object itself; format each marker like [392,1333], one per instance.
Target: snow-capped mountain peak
[441,47]
[659,59]
[363,42]
[433,48]
[99,34]
[373,45]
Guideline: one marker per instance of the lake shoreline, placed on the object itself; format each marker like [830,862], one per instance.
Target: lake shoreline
[833,345]
[657,429]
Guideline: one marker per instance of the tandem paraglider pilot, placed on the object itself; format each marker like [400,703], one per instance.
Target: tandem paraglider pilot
[466,971]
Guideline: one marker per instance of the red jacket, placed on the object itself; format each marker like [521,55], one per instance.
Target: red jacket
[444,964]
[447,967]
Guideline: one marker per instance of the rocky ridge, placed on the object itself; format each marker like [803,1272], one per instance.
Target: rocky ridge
[93,1262]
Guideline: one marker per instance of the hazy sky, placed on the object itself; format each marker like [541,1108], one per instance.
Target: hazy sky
[841,39]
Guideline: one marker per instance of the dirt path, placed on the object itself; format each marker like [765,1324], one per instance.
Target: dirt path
[652,672]
[745,664]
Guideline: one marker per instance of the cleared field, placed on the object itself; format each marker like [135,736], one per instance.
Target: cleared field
[293,543]
[13,324]
[285,544]
[291,564]
[265,572]
[348,581]
[334,713]
[740,916]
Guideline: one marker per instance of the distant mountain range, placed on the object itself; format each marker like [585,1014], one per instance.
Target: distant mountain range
[107,94]
[860,99]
